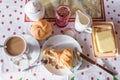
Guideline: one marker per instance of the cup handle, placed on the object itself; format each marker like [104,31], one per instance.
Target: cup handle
[27,54]
[88,30]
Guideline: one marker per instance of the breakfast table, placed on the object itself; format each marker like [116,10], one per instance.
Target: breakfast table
[12,23]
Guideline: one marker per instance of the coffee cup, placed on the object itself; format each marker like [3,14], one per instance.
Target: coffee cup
[83,22]
[16,46]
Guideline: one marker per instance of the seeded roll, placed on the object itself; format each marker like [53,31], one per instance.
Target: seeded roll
[41,29]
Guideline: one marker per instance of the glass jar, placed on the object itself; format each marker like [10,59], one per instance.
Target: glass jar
[62,15]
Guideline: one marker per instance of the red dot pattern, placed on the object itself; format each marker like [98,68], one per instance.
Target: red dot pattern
[115,59]
[2,23]
[19,27]
[15,2]
[43,79]
[119,15]
[108,12]
[19,70]
[112,2]
[14,33]
[21,6]
[92,78]
[18,18]
[7,70]
[114,68]
[0,1]
[3,16]
[23,33]
[8,29]
[108,6]
[3,36]
[88,55]
[114,10]
[10,22]
[88,66]
[11,77]
[20,12]
[7,6]
[85,39]
[10,15]
[82,73]
[81,46]
[34,74]
[100,73]
[15,10]
[1,60]
[90,46]
[108,78]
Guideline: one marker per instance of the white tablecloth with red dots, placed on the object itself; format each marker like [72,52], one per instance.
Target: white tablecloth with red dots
[12,22]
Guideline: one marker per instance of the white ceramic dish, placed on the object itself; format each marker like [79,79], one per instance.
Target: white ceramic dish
[60,42]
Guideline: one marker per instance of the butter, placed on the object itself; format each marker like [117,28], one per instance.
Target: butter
[105,41]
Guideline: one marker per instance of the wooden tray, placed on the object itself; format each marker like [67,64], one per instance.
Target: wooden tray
[94,8]
[104,26]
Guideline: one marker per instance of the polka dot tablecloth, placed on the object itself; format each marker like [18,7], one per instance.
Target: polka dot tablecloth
[12,22]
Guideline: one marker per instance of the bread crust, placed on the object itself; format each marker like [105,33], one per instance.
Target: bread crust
[62,58]
[41,29]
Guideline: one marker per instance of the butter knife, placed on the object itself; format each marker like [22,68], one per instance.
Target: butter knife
[95,63]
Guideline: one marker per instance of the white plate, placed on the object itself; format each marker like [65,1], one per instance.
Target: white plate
[61,42]
[34,48]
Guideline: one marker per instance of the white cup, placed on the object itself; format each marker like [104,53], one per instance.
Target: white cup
[83,22]
[13,46]
[13,50]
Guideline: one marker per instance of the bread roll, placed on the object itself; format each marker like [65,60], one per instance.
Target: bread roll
[52,53]
[61,58]
[41,29]
[66,58]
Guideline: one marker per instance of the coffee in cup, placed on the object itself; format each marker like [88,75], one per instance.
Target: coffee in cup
[16,45]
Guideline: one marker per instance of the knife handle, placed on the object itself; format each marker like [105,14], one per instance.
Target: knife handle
[95,63]
[109,71]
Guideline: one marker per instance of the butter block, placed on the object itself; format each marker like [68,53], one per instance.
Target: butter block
[105,41]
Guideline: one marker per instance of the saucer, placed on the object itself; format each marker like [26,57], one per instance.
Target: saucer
[34,48]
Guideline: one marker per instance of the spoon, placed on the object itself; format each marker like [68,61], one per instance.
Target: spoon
[3,46]
[43,62]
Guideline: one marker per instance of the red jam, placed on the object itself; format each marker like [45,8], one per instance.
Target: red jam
[62,16]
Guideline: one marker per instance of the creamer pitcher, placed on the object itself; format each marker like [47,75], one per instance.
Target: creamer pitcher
[83,22]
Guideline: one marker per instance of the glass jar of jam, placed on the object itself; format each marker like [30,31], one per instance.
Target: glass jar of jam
[62,15]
